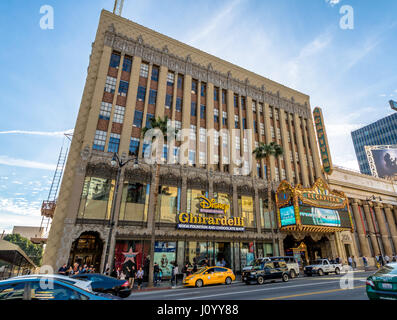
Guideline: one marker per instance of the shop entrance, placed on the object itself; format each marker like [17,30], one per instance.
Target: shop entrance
[223,254]
[307,250]
[87,249]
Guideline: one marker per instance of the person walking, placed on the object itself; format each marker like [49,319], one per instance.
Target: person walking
[139,277]
[160,274]
[223,262]
[156,270]
[194,270]
[132,276]
[354,264]
[365,262]
[175,271]
[185,271]
[350,261]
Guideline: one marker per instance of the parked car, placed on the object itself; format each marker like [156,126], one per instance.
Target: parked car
[266,271]
[382,285]
[292,265]
[210,275]
[322,267]
[254,263]
[105,284]
[34,288]
[83,284]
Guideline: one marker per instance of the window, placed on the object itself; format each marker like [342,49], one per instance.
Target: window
[141,94]
[110,85]
[123,88]
[272,132]
[224,117]
[260,108]
[244,124]
[148,122]
[194,87]
[152,96]
[202,158]
[146,146]
[144,72]
[178,106]
[202,111]
[203,135]
[178,125]
[106,109]
[114,142]
[170,79]
[193,132]
[238,143]
[215,94]
[236,121]
[138,116]
[223,97]
[243,103]
[135,200]
[216,138]
[216,159]
[256,144]
[277,177]
[254,126]
[169,200]
[253,107]
[203,90]
[57,292]
[180,81]
[127,64]
[119,114]
[155,73]
[245,143]
[165,153]
[193,109]
[12,291]
[216,115]
[235,101]
[192,157]
[168,101]
[99,140]
[262,128]
[134,146]
[115,60]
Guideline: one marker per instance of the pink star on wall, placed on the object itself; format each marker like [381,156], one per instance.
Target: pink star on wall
[130,256]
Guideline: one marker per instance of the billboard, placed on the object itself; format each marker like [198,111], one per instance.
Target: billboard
[393,104]
[382,161]
[314,216]
[287,216]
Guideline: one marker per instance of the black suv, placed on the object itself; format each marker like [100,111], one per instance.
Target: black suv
[266,271]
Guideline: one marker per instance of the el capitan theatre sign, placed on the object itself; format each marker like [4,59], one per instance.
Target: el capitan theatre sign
[220,222]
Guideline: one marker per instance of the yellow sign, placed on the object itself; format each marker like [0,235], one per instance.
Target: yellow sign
[210,206]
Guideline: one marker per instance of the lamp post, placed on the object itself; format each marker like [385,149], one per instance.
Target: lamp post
[116,161]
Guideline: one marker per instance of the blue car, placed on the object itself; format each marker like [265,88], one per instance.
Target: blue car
[41,288]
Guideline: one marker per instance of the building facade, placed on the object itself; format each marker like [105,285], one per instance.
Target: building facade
[381,132]
[136,74]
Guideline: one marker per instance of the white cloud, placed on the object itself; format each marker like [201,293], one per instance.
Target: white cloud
[39,133]
[8,161]
[332,2]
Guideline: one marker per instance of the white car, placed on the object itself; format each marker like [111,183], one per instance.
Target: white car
[83,284]
[322,267]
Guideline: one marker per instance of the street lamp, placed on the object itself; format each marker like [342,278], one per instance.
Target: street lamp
[116,161]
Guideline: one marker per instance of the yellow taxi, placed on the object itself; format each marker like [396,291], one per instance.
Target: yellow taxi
[209,275]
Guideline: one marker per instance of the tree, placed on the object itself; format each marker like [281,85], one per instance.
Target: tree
[265,151]
[164,127]
[33,251]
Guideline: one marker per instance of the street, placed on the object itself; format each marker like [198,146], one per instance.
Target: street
[302,288]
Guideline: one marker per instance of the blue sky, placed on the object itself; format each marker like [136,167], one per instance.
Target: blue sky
[351,74]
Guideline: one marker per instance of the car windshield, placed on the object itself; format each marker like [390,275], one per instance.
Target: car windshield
[318,262]
[200,270]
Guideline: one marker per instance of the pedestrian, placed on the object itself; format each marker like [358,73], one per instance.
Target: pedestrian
[160,274]
[62,270]
[84,269]
[387,259]
[185,270]
[132,276]
[69,272]
[194,269]
[139,277]
[75,268]
[156,269]
[223,262]
[365,262]
[350,261]
[175,272]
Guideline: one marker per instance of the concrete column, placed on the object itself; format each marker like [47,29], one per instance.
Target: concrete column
[392,225]
[299,140]
[360,230]
[235,201]
[184,193]
[250,126]
[371,228]
[230,124]
[151,201]
[186,105]
[268,136]
[395,214]
[198,117]
[209,123]
[161,92]
[295,160]
[174,96]
[315,149]
[383,231]
[257,210]
[285,143]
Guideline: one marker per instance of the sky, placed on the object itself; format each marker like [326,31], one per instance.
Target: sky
[349,73]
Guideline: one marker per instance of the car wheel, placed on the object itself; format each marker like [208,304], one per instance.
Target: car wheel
[285,277]
[261,280]
[337,271]
[320,272]
[292,274]
[228,280]
[199,283]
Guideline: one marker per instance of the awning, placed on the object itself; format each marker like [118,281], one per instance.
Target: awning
[13,254]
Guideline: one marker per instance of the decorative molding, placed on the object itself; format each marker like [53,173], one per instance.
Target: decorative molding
[137,47]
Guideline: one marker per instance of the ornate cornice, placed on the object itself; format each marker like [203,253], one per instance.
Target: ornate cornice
[137,47]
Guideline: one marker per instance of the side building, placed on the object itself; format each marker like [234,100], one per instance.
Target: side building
[136,74]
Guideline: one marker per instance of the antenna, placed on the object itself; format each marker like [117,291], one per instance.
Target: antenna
[118,7]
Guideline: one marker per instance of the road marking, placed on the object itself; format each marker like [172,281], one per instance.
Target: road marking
[312,293]
[264,289]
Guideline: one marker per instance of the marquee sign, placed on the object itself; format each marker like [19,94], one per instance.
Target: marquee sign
[322,140]
[316,209]
[190,221]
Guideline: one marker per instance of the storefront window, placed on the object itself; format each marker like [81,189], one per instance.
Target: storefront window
[194,199]
[96,199]
[246,207]
[165,256]
[268,249]
[225,199]
[196,252]
[265,217]
[134,203]
[168,201]
[247,253]
[130,253]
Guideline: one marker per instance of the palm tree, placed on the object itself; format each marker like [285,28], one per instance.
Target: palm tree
[265,151]
[164,127]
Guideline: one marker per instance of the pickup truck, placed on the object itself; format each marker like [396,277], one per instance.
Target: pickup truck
[321,267]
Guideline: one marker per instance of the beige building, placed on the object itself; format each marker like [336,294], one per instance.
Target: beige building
[31,233]
[136,74]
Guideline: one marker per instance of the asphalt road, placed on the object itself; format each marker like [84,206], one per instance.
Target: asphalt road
[303,288]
